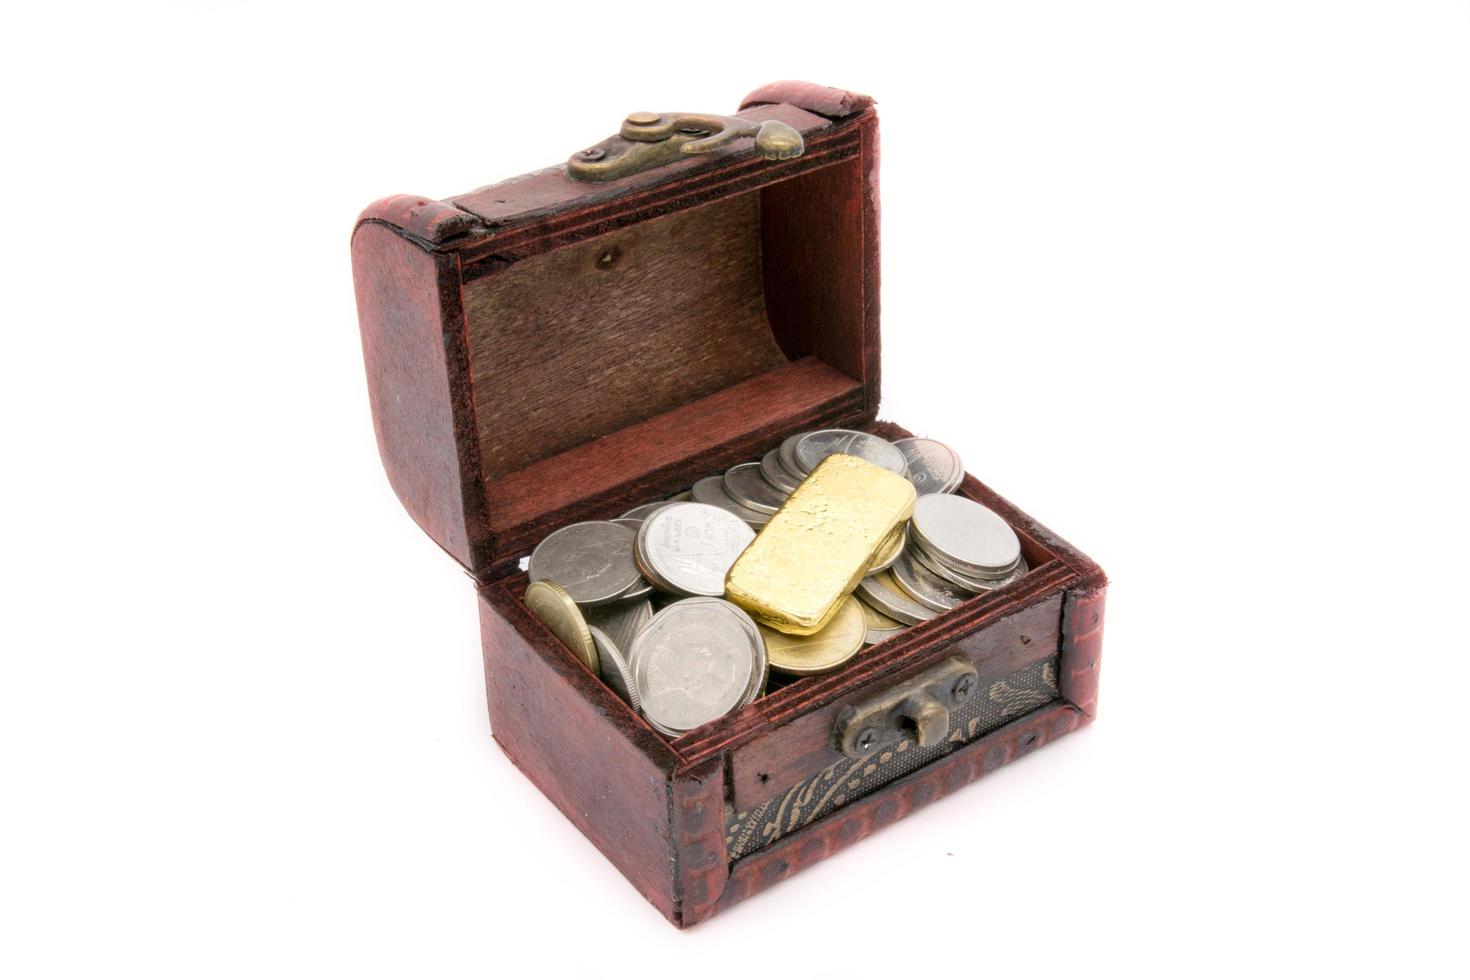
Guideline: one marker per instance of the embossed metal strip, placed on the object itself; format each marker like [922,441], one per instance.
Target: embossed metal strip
[1002,700]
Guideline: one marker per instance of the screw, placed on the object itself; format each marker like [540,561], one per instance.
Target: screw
[595,153]
[643,118]
[865,739]
[963,688]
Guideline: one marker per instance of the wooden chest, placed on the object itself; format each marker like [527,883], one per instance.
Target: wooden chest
[548,349]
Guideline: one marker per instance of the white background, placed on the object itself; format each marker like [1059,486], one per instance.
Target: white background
[1188,282]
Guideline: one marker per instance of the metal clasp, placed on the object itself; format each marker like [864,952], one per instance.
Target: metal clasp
[917,709]
[653,139]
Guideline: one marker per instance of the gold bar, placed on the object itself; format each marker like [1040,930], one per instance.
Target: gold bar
[818,546]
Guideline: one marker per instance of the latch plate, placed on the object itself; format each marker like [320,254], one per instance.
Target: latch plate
[917,709]
[653,139]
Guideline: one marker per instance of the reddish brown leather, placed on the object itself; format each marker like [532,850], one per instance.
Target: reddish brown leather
[431,221]
[818,242]
[852,823]
[583,748]
[833,103]
[656,807]
[421,417]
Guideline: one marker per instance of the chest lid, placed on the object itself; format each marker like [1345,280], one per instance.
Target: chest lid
[567,343]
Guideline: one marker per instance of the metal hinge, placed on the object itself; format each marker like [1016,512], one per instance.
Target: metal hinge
[652,139]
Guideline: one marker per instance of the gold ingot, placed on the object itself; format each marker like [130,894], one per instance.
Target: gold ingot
[888,551]
[827,649]
[819,545]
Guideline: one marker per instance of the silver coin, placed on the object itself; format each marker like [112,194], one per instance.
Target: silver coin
[973,583]
[640,588]
[873,636]
[614,669]
[593,561]
[747,487]
[928,589]
[965,535]
[932,466]
[687,548]
[817,446]
[776,474]
[762,666]
[679,497]
[621,621]
[888,598]
[711,491]
[692,664]
[662,589]
[786,455]
[643,510]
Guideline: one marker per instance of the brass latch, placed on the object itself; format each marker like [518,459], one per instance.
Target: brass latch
[917,709]
[652,139]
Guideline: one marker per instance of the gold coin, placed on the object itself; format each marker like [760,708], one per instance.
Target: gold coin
[827,649]
[880,627]
[559,612]
[874,620]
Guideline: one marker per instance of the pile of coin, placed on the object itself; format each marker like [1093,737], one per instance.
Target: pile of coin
[639,597]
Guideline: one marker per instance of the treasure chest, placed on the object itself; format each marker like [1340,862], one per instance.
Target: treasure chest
[674,300]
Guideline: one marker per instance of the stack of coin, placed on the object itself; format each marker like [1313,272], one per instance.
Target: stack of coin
[639,598]
[698,659]
[956,549]
[754,491]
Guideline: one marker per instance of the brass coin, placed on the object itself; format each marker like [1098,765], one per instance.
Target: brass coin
[556,609]
[827,649]
[875,620]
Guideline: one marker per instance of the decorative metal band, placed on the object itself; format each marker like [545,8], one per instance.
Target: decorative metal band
[1003,700]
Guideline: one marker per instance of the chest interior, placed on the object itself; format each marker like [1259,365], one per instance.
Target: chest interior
[632,359]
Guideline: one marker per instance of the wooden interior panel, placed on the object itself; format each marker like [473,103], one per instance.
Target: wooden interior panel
[591,338]
[668,452]
[811,243]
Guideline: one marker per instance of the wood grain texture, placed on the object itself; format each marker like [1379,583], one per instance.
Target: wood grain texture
[653,458]
[519,220]
[814,290]
[588,339]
